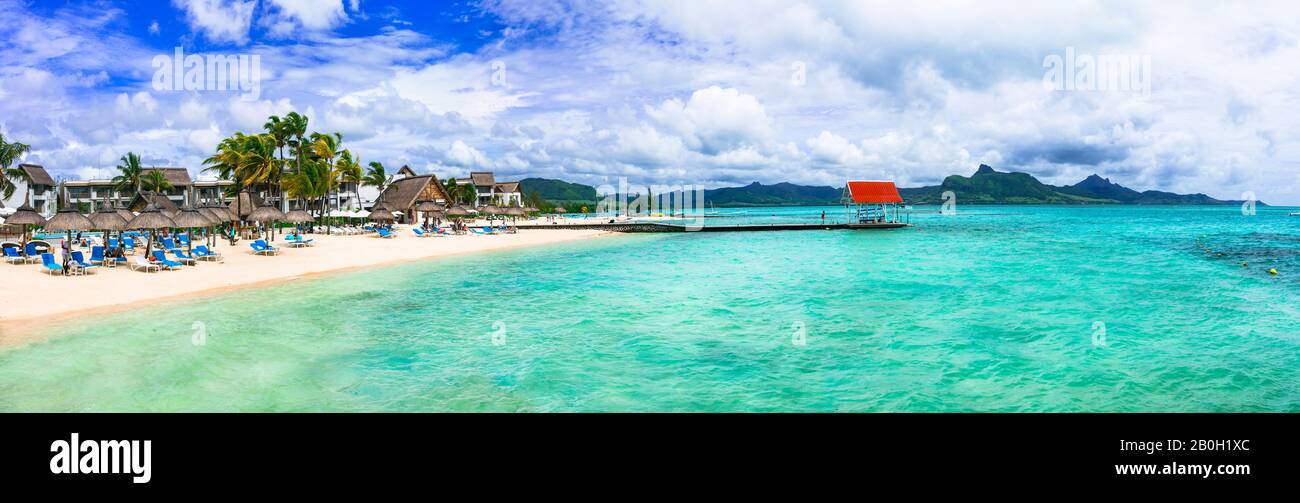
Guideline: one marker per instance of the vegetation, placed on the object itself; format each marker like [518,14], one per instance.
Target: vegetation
[10,152]
[130,175]
[987,186]
[155,181]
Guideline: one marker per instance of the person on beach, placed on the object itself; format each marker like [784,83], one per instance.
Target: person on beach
[67,254]
[823,216]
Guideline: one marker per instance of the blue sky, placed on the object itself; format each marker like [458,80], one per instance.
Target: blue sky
[713,93]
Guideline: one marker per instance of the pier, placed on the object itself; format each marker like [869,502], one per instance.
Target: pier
[664,227]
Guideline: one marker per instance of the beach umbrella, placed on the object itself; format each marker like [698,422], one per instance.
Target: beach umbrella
[266,215]
[560,209]
[381,214]
[190,218]
[150,219]
[428,207]
[25,215]
[68,219]
[107,219]
[298,217]
[457,211]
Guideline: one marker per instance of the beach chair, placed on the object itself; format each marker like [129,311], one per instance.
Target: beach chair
[13,257]
[261,248]
[31,254]
[140,264]
[130,244]
[49,265]
[168,244]
[485,231]
[161,260]
[383,233]
[79,263]
[419,233]
[97,255]
[203,253]
[183,239]
[182,257]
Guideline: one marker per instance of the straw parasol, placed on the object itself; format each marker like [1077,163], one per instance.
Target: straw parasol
[107,219]
[266,215]
[150,219]
[25,216]
[381,214]
[190,218]
[560,209]
[298,217]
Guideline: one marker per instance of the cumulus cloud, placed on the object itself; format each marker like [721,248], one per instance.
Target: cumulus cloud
[219,20]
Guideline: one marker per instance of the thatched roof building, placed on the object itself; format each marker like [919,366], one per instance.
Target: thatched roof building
[404,194]
[158,200]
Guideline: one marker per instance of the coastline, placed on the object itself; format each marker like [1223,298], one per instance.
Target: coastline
[46,300]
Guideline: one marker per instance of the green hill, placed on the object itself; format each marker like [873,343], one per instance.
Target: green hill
[988,186]
[558,191]
[780,194]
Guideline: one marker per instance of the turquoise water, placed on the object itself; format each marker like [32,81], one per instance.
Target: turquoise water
[994,309]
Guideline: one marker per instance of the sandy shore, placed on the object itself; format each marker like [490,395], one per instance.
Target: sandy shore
[33,297]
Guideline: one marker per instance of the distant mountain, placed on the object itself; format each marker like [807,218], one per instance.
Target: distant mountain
[988,186]
[1102,188]
[558,191]
[780,194]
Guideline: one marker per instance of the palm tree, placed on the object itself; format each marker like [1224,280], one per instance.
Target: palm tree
[154,181]
[461,193]
[308,183]
[132,175]
[10,152]
[326,147]
[295,128]
[279,131]
[350,172]
[377,177]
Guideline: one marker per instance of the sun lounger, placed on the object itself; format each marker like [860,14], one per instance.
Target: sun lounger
[261,248]
[140,264]
[49,265]
[97,254]
[486,231]
[182,257]
[31,254]
[161,259]
[383,233]
[130,244]
[78,262]
[203,253]
[296,240]
[13,257]
[419,233]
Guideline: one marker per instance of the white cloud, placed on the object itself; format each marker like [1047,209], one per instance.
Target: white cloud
[219,20]
[715,119]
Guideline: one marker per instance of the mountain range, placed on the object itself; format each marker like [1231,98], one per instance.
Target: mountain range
[985,186]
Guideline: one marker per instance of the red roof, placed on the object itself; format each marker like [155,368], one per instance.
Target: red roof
[871,192]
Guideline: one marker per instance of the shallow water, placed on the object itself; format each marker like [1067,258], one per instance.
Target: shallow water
[994,309]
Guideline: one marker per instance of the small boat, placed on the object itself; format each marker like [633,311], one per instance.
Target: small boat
[1295,213]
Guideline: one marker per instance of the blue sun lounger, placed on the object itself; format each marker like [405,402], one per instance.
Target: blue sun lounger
[202,252]
[49,265]
[160,259]
[261,248]
[182,257]
[13,257]
[383,233]
[79,263]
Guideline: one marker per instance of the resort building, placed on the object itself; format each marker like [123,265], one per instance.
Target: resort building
[489,191]
[92,193]
[404,194]
[41,191]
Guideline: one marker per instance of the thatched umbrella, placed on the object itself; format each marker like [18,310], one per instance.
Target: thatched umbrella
[298,217]
[190,218]
[381,214]
[515,211]
[560,209]
[150,219]
[266,215]
[67,219]
[428,207]
[25,215]
[107,219]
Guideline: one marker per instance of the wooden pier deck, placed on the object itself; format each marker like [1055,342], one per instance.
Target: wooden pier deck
[663,227]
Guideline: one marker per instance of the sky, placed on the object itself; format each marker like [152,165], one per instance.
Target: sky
[713,93]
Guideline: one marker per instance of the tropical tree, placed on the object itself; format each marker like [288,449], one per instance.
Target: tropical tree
[377,176]
[279,131]
[257,166]
[154,181]
[349,169]
[461,193]
[308,183]
[326,148]
[10,176]
[131,174]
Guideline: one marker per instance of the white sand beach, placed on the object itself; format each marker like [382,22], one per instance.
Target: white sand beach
[35,297]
